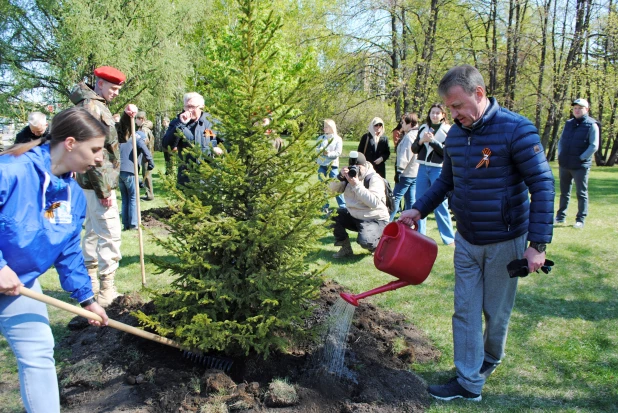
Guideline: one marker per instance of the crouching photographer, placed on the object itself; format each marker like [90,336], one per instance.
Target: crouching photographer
[365,212]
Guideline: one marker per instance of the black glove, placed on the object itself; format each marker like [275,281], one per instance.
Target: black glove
[397,175]
[519,268]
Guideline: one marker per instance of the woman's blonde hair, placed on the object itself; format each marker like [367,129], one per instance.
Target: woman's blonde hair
[331,124]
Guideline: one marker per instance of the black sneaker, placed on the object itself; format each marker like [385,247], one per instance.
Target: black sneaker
[452,390]
[487,368]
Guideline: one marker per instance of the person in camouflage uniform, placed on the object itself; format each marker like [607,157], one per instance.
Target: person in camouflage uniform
[101,242]
[145,126]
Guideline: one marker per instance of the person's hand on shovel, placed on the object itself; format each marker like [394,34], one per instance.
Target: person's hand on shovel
[410,217]
[98,310]
[9,281]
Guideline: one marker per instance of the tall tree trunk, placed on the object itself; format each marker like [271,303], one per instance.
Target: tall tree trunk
[493,59]
[517,13]
[422,67]
[539,90]
[397,79]
[561,82]
[404,56]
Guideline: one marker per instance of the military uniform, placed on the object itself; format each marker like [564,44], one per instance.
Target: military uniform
[101,242]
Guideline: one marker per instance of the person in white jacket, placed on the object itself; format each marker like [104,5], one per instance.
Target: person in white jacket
[329,147]
[406,165]
[366,212]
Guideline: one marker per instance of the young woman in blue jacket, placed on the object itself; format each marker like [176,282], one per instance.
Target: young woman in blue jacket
[41,213]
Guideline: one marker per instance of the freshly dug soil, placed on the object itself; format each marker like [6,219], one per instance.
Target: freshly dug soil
[112,371]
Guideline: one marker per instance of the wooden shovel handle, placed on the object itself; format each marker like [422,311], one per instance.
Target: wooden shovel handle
[92,316]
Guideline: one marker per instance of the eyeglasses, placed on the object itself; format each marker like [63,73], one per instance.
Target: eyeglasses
[191,107]
[378,125]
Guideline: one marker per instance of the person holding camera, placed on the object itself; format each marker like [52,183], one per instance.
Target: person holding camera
[502,196]
[366,212]
[429,145]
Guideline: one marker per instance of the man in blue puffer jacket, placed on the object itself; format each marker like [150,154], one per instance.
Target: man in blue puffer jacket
[502,195]
[579,141]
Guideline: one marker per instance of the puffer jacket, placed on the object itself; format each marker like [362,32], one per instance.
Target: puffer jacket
[364,203]
[102,179]
[34,236]
[508,196]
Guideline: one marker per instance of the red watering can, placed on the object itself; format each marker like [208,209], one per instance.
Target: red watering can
[404,253]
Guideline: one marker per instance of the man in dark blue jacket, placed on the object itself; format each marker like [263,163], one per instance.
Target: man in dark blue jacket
[502,196]
[189,128]
[579,141]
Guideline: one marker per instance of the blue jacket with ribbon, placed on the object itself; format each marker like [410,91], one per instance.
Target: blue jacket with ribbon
[41,218]
[500,183]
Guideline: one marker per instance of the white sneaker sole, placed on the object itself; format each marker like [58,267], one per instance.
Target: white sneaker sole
[448,399]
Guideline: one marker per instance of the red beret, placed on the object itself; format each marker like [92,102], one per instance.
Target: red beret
[111,74]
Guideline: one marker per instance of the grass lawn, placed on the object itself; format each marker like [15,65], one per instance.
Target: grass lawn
[562,352]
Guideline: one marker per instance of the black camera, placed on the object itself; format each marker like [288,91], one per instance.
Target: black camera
[353,171]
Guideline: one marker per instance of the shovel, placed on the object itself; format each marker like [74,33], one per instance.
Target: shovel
[208,361]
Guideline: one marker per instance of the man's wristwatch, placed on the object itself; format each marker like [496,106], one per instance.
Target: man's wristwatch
[539,246]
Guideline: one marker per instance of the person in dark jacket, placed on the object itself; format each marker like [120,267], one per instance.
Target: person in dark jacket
[374,145]
[429,145]
[42,209]
[579,141]
[502,195]
[36,128]
[127,177]
[189,128]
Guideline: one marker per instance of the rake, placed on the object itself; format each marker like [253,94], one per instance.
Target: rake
[194,356]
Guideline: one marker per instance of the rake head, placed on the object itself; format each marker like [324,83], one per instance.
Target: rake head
[211,362]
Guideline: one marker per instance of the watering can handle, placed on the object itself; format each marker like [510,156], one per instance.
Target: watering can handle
[387,239]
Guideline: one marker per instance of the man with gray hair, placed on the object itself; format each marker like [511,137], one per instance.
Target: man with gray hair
[502,194]
[195,128]
[36,128]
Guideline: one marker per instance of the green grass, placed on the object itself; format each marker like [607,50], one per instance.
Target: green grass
[562,351]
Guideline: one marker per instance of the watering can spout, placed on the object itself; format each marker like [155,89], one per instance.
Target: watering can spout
[403,253]
[353,299]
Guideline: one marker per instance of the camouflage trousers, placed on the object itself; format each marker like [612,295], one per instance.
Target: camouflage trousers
[101,242]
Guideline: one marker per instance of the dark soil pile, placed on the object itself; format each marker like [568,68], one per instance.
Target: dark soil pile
[112,371]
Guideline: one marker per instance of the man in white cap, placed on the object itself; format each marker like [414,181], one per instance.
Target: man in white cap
[579,141]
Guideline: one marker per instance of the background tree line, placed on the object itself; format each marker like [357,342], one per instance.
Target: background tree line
[367,58]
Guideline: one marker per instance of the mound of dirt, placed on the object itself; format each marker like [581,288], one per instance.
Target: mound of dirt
[112,371]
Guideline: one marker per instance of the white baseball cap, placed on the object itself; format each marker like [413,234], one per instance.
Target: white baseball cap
[581,102]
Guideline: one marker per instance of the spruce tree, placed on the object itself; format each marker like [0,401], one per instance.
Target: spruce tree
[245,223]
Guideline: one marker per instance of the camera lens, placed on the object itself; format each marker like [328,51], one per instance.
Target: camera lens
[352,172]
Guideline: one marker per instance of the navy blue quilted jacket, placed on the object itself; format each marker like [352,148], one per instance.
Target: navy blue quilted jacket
[498,200]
